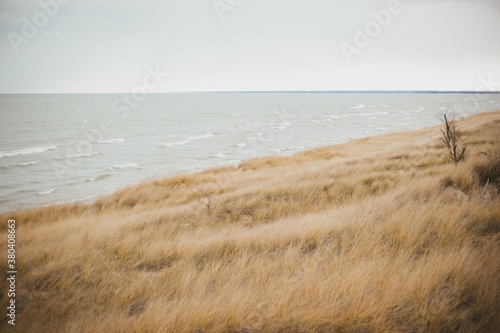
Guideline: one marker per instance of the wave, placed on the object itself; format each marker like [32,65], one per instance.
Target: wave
[124,166]
[77,156]
[370,114]
[97,178]
[188,140]
[27,151]
[112,141]
[82,155]
[218,155]
[359,106]
[177,143]
[27,163]
[201,136]
[19,164]
[52,190]
[241,144]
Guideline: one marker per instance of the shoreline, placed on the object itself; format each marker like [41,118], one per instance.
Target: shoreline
[233,136]
[89,200]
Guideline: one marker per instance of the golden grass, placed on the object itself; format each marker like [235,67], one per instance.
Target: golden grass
[375,235]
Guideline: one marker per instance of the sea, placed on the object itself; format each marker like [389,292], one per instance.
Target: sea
[63,148]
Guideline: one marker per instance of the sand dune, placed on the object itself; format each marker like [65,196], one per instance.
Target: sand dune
[378,234]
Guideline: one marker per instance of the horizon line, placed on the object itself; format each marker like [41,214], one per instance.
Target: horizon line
[269,92]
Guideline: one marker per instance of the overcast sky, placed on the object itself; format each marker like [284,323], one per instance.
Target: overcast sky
[107,46]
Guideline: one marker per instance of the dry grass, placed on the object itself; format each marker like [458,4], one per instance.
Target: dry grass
[380,234]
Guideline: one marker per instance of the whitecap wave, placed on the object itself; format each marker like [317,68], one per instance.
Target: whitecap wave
[176,143]
[97,178]
[52,190]
[359,106]
[189,139]
[19,164]
[124,166]
[27,163]
[82,155]
[112,141]
[241,144]
[27,151]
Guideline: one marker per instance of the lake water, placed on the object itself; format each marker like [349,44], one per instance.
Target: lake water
[64,148]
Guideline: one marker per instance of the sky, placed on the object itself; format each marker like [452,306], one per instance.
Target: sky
[98,46]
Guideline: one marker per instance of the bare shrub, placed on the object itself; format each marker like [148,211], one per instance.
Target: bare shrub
[208,198]
[452,139]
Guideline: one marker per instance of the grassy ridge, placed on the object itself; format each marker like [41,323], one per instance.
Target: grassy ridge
[378,234]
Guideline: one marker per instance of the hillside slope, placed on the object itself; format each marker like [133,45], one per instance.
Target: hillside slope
[378,234]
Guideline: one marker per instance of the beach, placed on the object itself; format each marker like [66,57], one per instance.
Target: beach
[377,234]
[64,148]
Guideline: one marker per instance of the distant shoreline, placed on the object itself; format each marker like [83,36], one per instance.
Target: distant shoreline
[353,92]
[281,92]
